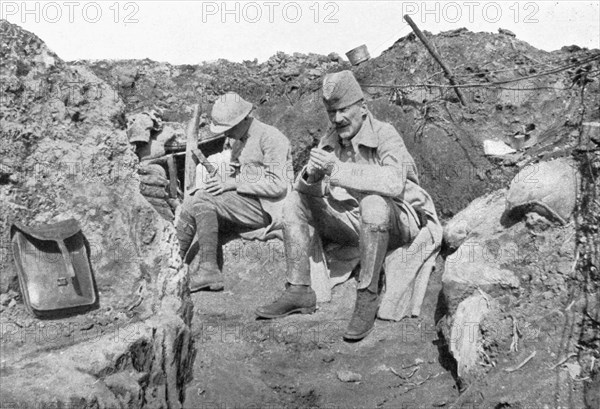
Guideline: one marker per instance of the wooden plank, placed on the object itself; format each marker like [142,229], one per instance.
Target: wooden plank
[172,177]
[191,144]
[176,150]
[200,158]
[436,57]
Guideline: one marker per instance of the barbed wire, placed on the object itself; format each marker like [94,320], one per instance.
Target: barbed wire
[494,83]
[481,73]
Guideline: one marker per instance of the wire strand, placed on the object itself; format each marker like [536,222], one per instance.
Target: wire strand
[490,84]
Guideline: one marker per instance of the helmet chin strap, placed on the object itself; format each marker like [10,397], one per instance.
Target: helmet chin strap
[240,130]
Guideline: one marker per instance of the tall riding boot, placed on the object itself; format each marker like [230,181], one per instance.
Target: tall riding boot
[204,272]
[374,241]
[185,229]
[298,295]
[296,244]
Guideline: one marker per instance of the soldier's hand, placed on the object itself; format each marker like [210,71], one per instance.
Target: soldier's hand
[233,169]
[313,170]
[325,162]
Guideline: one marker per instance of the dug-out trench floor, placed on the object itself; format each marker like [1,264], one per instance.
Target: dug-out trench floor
[295,362]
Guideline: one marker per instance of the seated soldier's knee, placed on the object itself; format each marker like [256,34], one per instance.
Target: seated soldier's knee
[374,210]
[200,196]
[189,201]
[200,200]
[294,208]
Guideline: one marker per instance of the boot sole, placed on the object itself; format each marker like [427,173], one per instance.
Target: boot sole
[358,337]
[308,310]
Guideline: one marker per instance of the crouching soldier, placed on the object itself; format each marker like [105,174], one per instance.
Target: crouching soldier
[148,134]
[360,188]
[249,197]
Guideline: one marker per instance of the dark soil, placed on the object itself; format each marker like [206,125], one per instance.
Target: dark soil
[293,362]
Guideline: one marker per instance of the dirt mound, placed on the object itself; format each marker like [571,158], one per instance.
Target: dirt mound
[445,138]
[274,85]
[172,89]
[64,155]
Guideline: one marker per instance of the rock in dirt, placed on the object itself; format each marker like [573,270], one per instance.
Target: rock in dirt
[349,376]
[591,132]
[465,336]
[496,148]
[127,76]
[5,299]
[573,369]
[126,387]
[335,57]
[506,32]
[474,266]
[483,215]
[5,170]
[592,392]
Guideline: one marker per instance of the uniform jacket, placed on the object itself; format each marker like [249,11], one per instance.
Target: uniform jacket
[379,164]
[266,172]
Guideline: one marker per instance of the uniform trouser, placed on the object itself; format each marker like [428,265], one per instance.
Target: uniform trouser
[339,222]
[232,211]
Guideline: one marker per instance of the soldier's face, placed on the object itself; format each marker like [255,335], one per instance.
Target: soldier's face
[238,131]
[348,120]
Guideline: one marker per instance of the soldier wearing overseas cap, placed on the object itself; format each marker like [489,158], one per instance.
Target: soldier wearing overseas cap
[249,198]
[360,187]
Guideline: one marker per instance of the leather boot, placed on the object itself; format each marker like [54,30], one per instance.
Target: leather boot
[374,241]
[295,299]
[204,272]
[296,244]
[185,229]
[298,295]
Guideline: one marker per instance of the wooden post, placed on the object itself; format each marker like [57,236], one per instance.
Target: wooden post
[190,146]
[172,166]
[436,57]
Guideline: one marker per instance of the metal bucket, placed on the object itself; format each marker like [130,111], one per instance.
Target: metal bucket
[358,55]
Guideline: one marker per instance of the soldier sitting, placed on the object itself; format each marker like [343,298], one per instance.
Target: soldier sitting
[249,197]
[359,188]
